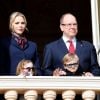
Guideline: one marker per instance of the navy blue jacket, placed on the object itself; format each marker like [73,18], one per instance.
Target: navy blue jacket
[55,51]
[12,53]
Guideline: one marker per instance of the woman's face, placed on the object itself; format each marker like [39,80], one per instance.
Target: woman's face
[19,25]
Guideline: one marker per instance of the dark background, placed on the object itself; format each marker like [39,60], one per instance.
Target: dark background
[43,18]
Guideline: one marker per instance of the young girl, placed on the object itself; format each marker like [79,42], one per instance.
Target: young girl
[25,68]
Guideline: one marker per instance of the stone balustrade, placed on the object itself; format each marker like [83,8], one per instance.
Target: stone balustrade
[49,87]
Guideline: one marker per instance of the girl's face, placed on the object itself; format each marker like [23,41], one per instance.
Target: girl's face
[19,25]
[27,70]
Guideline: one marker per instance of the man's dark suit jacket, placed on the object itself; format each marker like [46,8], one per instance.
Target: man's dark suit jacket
[55,51]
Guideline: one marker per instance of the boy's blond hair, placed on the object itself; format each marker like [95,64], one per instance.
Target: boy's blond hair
[70,57]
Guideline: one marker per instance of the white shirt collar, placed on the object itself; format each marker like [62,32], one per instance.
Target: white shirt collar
[65,39]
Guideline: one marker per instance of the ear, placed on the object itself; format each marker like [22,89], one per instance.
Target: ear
[61,27]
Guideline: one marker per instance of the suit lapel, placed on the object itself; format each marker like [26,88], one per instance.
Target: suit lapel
[62,46]
[79,47]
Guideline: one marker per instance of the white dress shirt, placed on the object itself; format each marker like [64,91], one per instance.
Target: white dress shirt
[66,41]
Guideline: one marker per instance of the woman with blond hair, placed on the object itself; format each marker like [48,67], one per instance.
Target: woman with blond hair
[18,47]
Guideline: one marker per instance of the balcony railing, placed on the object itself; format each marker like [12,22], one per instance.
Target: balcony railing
[49,87]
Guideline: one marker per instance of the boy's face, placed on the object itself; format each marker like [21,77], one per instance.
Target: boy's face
[71,66]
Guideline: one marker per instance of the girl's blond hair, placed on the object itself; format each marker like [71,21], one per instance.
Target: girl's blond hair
[21,64]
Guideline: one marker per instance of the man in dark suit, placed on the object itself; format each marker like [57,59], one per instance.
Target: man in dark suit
[55,51]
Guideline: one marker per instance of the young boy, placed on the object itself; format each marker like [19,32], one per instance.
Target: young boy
[71,64]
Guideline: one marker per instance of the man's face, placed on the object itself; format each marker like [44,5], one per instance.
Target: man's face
[69,26]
